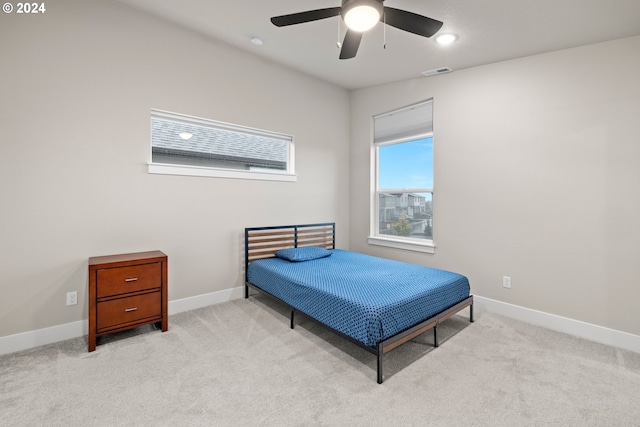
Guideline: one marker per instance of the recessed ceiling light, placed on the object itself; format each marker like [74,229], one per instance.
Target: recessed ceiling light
[185,135]
[257,40]
[445,39]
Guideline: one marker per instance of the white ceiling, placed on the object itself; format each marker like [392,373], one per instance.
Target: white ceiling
[488,30]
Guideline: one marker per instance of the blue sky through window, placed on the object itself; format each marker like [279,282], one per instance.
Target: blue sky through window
[407,164]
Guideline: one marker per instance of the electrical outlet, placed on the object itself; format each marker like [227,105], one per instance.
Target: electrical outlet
[506,282]
[72,298]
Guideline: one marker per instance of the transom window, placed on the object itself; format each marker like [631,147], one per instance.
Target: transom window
[403,201]
[185,145]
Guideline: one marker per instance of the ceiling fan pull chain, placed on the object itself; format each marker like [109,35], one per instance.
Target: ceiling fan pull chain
[384,30]
[338,43]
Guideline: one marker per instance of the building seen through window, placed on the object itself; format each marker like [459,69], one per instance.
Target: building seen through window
[189,142]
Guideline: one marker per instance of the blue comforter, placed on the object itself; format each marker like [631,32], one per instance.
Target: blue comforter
[365,297]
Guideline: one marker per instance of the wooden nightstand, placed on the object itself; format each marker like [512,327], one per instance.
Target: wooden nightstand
[126,291]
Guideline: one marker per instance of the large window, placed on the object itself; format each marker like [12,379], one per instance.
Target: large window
[403,201]
[184,145]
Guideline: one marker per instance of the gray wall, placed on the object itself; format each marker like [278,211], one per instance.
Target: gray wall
[76,88]
[536,177]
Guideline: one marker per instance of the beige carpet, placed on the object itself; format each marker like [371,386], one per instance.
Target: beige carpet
[238,363]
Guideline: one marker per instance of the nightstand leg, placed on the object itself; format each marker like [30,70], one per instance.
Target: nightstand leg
[92,342]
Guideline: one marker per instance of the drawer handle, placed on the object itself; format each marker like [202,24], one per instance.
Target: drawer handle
[131,279]
[127,310]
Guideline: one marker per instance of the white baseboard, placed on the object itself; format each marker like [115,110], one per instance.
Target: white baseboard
[26,340]
[565,325]
[30,339]
[213,298]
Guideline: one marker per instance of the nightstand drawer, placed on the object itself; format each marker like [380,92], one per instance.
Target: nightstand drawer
[115,281]
[130,309]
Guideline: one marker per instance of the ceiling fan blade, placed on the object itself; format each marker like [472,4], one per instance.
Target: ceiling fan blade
[302,17]
[411,22]
[350,44]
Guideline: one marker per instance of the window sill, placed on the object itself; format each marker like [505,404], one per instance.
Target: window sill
[403,244]
[167,169]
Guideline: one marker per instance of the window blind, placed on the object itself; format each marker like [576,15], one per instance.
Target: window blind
[406,123]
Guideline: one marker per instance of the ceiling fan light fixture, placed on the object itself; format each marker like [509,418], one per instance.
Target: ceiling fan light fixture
[361,15]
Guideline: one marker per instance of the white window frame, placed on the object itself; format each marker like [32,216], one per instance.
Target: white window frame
[397,242]
[206,171]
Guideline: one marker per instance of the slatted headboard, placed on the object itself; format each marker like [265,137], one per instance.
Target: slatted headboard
[264,242]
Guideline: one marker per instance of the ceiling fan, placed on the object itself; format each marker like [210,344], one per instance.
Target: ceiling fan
[360,16]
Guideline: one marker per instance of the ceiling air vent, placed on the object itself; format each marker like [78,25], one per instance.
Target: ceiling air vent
[442,70]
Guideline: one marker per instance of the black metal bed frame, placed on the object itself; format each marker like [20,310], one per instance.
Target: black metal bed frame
[268,246]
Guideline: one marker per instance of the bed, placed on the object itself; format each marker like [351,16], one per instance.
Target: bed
[378,304]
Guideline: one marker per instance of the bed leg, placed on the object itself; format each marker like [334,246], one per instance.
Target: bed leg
[379,363]
[292,324]
[435,336]
[246,291]
[471,313]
